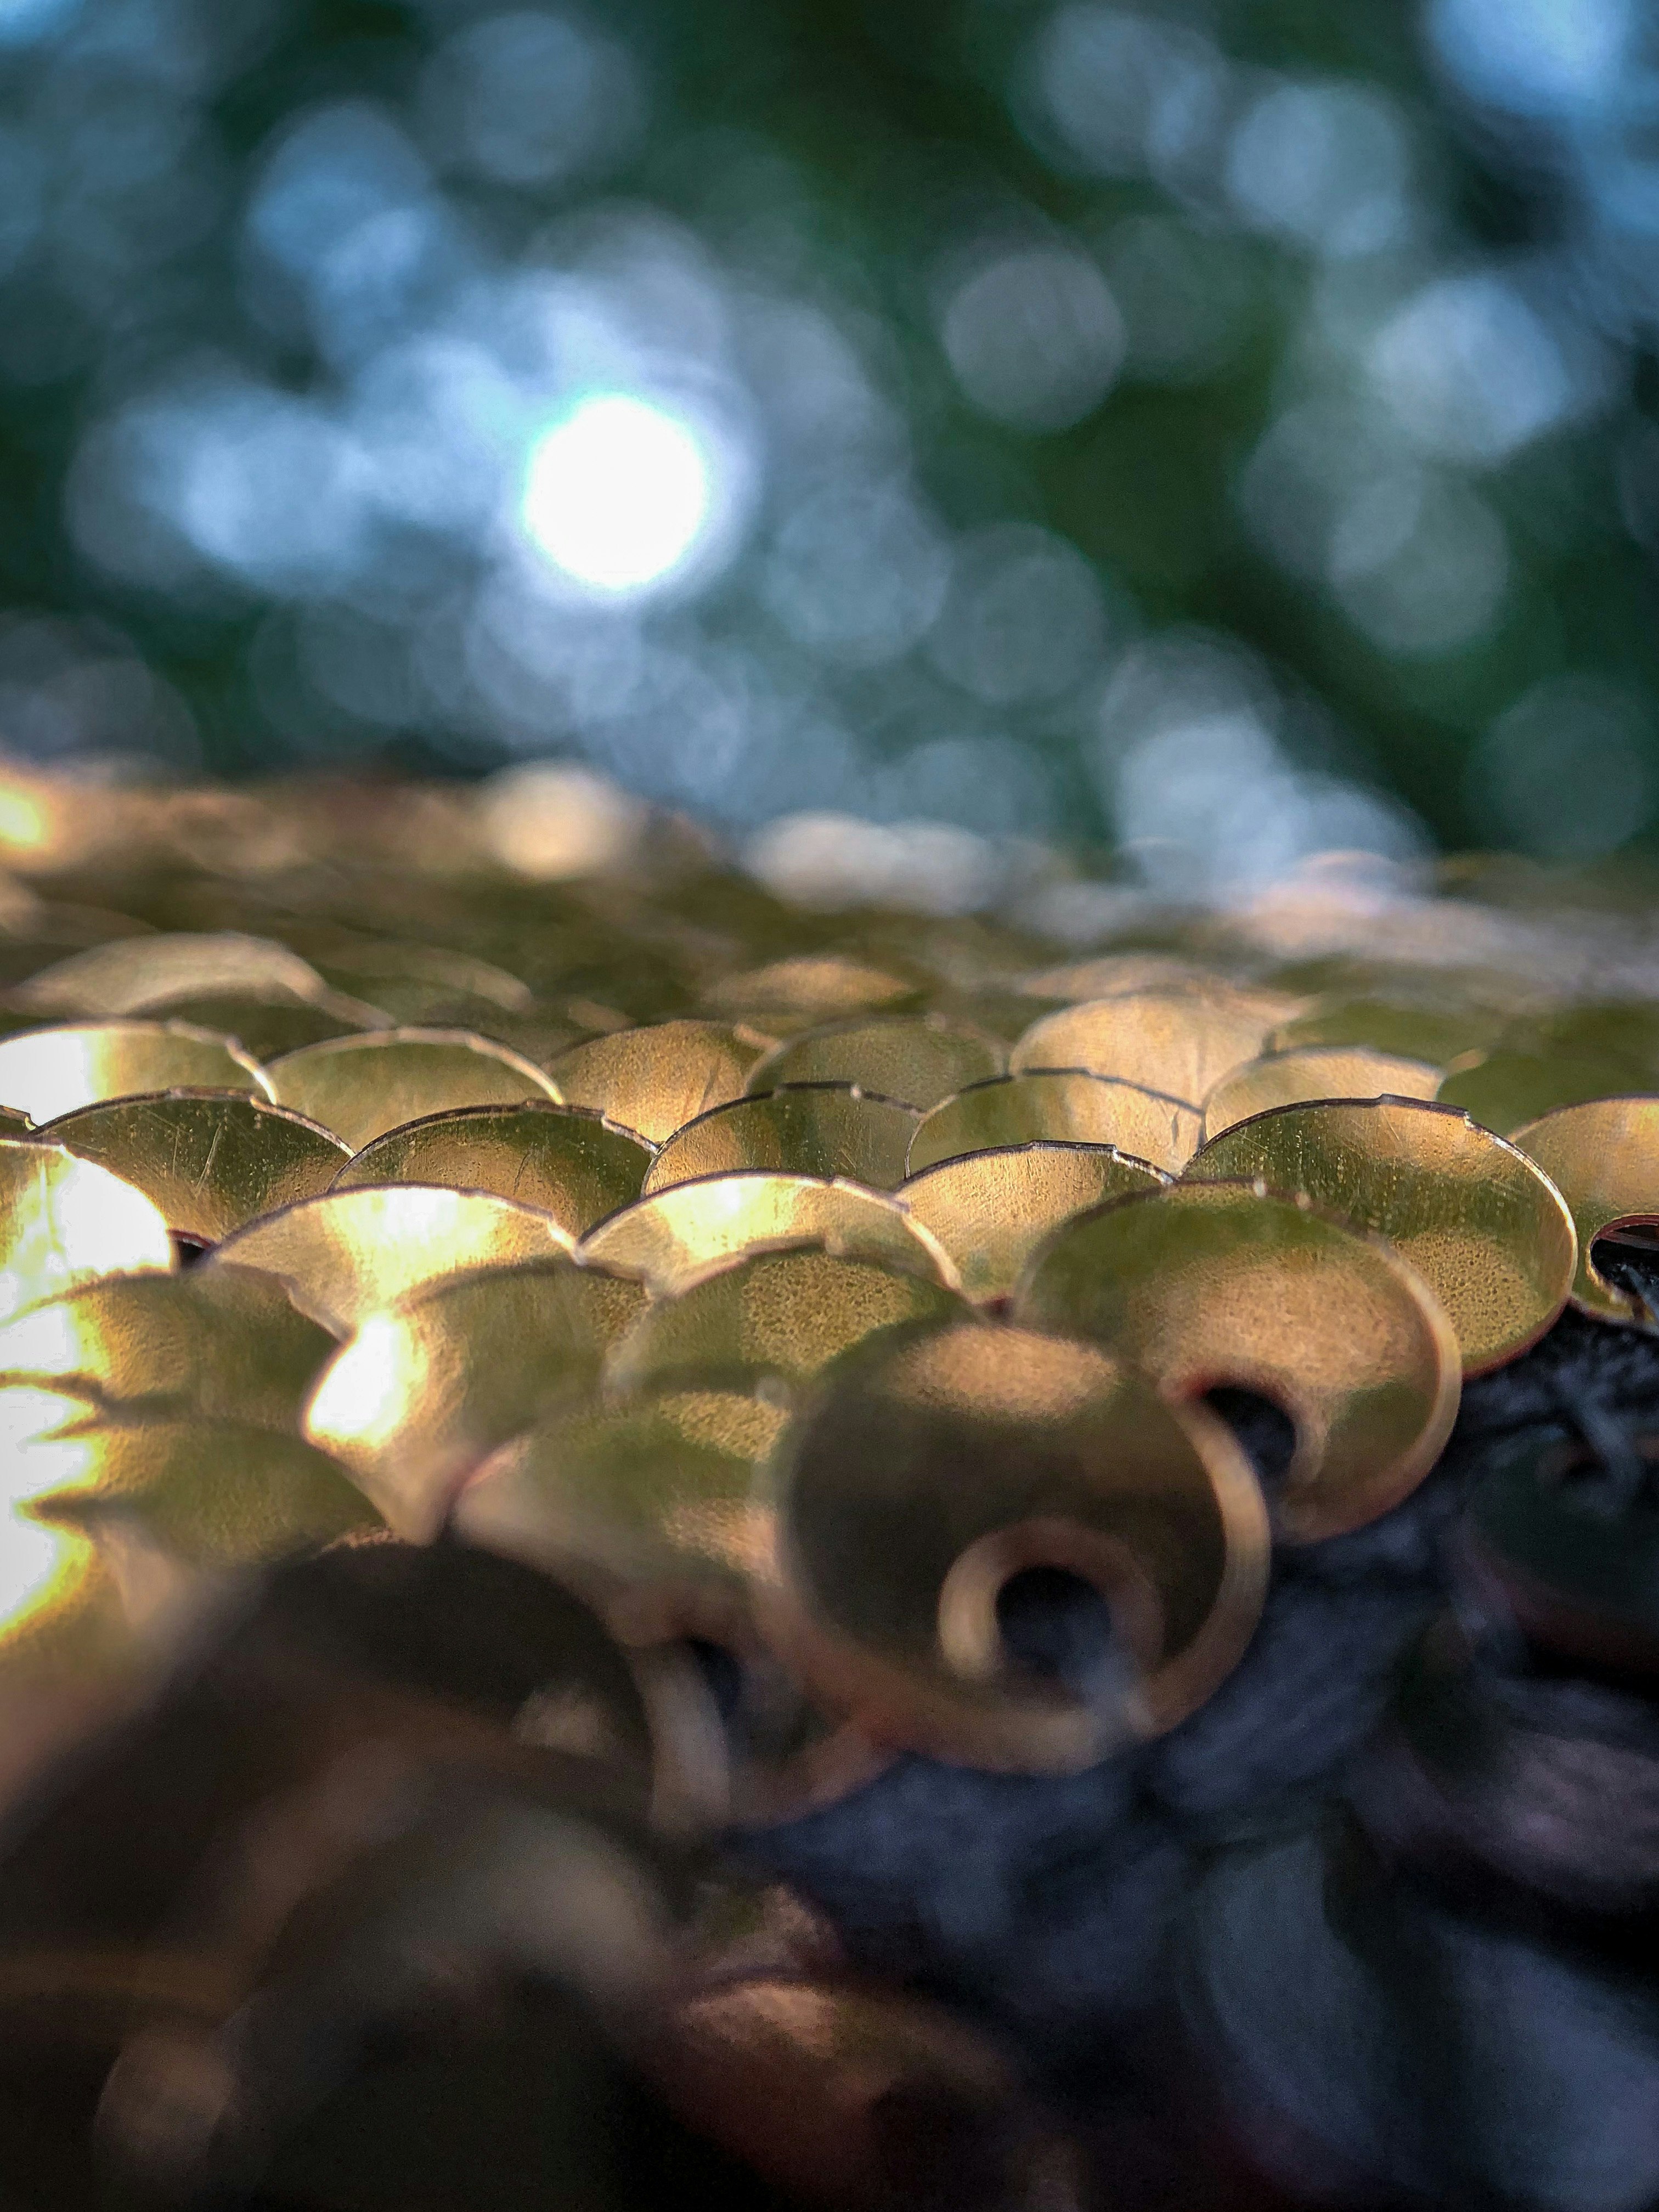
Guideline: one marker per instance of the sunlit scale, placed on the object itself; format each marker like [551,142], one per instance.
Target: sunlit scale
[347,1253]
[1487,1230]
[930,1471]
[808,1128]
[569,1160]
[1603,1157]
[1210,1284]
[49,1071]
[225,1342]
[638,1314]
[992,1210]
[1180,1041]
[773,1317]
[914,1061]
[207,1492]
[126,976]
[212,1163]
[64,1220]
[654,1079]
[1287,1078]
[618,493]
[1058,1106]
[427,1389]
[787,995]
[674,1236]
[361,1086]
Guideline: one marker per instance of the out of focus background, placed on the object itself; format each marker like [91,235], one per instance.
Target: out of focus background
[1230,431]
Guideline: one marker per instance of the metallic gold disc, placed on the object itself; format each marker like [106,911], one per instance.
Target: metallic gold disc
[210,1162]
[930,1470]
[992,1210]
[791,995]
[778,1315]
[224,1342]
[649,1504]
[674,1236]
[569,1160]
[1485,1229]
[1290,1078]
[653,1080]
[1179,1041]
[810,1128]
[344,1255]
[215,1494]
[126,976]
[1064,1105]
[1212,1282]
[48,1072]
[427,1390]
[361,1086]
[916,1060]
[1512,1087]
[1603,1157]
[63,1221]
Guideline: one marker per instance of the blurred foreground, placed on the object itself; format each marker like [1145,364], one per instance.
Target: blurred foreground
[891,1527]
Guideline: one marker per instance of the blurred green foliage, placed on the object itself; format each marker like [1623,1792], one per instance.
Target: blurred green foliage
[866,161]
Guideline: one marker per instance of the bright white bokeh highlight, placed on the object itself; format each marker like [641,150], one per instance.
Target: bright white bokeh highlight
[618,494]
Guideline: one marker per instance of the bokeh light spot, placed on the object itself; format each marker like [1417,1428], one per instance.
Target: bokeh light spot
[617,493]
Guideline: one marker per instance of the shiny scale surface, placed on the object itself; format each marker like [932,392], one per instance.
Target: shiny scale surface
[1209,1284]
[674,1236]
[825,1129]
[48,1072]
[361,1086]
[927,1472]
[1488,1231]
[567,1160]
[991,1211]
[1058,1106]
[211,1163]
[348,1252]
[427,1389]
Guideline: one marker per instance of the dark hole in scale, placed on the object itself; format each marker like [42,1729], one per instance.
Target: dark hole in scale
[1265,1431]
[188,1250]
[722,1673]
[1628,1258]
[1055,1624]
